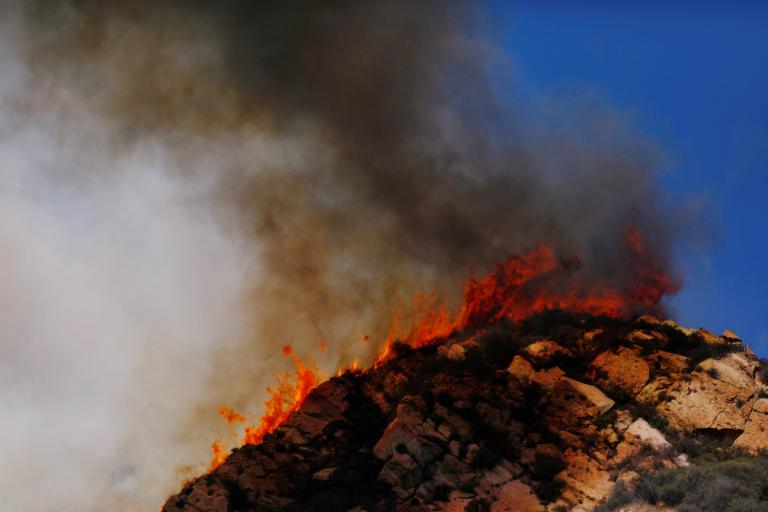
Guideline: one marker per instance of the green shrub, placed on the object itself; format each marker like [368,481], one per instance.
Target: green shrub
[736,485]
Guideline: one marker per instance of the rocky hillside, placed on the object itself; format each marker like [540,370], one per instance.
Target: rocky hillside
[549,415]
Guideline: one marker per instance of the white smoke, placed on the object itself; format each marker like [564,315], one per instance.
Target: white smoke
[117,286]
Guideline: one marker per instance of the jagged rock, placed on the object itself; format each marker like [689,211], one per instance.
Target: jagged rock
[646,434]
[521,370]
[719,395]
[586,482]
[202,495]
[668,364]
[684,330]
[640,336]
[595,398]
[755,435]
[623,369]
[406,435]
[328,405]
[730,335]
[571,408]
[637,435]
[402,473]
[423,432]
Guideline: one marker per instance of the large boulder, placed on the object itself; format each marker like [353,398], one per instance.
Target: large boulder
[622,370]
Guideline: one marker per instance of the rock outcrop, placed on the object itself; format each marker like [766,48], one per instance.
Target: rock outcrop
[542,416]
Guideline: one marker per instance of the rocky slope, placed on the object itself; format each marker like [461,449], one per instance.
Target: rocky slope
[546,415]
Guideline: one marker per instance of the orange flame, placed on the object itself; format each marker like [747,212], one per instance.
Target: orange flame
[284,399]
[219,456]
[534,282]
[524,285]
[231,416]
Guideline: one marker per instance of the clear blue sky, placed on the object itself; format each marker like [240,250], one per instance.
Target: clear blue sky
[694,78]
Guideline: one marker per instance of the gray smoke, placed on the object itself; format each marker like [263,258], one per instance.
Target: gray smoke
[189,185]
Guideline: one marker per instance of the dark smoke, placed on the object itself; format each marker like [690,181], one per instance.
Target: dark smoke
[419,171]
[367,149]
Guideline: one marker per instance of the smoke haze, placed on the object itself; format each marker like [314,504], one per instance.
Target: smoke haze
[187,186]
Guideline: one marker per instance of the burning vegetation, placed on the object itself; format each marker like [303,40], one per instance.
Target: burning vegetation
[519,288]
[554,411]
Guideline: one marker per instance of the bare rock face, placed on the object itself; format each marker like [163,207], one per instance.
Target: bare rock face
[541,416]
[755,435]
[718,395]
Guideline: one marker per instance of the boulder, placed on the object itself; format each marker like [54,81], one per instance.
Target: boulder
[623,370]
[203,495]
[521,370]
[571,408]
[328,404]
[684,330]
[591,395]
[586,481]
[402,435]
[718,395]
[545,351]
[646,434]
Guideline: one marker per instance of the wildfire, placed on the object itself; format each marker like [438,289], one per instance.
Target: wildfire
[286,397]
[219,456]
[536,281]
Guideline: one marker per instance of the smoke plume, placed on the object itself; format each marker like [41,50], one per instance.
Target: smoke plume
[187,186]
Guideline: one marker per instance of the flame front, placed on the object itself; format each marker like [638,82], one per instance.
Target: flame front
[524,285]
[534,282]
[285,398]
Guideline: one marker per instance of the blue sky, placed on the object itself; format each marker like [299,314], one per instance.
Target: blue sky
[693,77]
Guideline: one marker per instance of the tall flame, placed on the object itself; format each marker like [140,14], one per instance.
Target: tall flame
[285,398]
[534,282]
